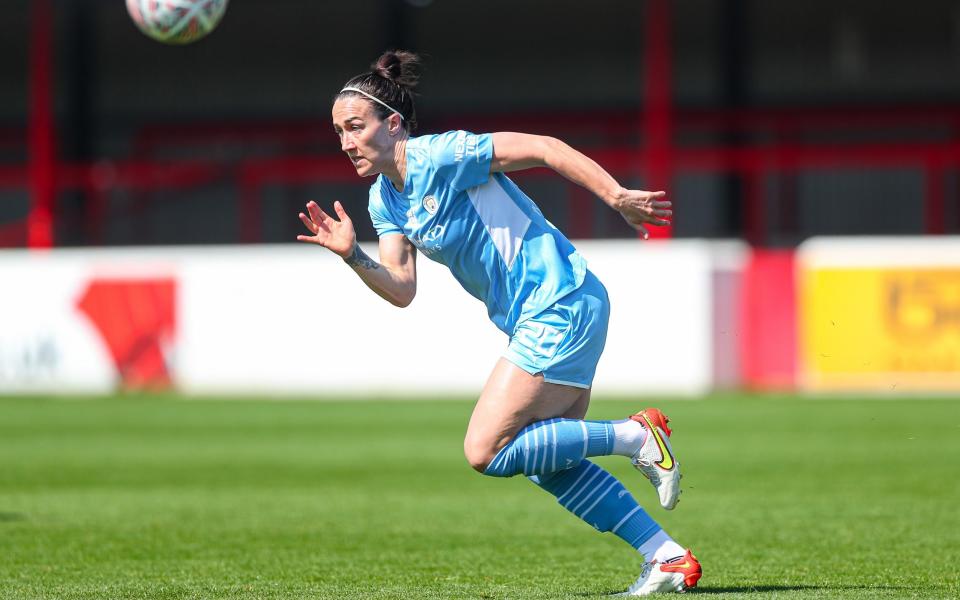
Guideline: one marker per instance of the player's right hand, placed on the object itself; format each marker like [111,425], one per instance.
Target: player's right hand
[336,236]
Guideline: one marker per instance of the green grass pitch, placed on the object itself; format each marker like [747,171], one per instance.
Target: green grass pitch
[157,497]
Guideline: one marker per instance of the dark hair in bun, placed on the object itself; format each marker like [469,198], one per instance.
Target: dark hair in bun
[391,80]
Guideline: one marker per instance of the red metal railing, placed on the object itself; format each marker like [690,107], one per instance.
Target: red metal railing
[40,138]
[752,163]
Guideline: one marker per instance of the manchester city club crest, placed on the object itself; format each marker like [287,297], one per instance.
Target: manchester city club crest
[430,204]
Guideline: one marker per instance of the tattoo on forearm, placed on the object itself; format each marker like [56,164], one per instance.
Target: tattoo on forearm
[359,258]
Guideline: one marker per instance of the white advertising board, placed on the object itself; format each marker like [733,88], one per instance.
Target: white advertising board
[69,320]
[293,320]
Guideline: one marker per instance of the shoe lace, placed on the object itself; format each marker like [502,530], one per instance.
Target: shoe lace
[642,579]
[646,465]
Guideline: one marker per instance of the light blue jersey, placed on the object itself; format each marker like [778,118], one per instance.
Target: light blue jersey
[537,290]
[491,235]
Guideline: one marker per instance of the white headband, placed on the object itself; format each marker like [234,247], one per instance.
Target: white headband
[375,99]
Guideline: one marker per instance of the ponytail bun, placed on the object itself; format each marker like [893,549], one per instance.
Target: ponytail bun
[391,80]
[399,66]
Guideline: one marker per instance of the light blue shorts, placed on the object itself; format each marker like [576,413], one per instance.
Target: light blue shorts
[565,341]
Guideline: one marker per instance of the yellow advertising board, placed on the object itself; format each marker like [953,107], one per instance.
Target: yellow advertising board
[880,328]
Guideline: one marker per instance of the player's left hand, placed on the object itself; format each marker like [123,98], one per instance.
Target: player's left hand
[640,208]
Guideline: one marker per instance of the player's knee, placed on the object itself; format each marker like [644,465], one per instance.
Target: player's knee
[479,453]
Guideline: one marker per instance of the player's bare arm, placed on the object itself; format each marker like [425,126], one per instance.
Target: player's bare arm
[518,151]
[394,278]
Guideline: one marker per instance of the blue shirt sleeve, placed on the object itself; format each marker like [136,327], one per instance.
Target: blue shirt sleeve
[462,158]
[379,215]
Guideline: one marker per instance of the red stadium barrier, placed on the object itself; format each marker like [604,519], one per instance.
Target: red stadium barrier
[768,340]
[610,137]
[13,234]
[752,163]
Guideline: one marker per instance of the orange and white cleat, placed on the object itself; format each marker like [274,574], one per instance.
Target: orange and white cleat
[675,575]
[655,457]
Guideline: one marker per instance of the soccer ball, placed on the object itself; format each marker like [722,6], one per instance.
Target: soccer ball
[176,21]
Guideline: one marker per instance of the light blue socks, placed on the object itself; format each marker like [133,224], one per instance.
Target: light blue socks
[598,498]
[552,445]
[553,452]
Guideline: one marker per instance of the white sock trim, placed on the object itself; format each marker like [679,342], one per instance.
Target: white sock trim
[628,437]
[660,547]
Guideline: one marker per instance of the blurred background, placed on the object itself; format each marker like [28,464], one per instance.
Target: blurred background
[767,121]
[779,129]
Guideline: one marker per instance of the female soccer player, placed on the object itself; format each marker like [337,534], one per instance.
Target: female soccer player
[447,196]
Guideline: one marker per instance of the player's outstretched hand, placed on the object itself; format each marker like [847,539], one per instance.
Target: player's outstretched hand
[640,208]
[336,236]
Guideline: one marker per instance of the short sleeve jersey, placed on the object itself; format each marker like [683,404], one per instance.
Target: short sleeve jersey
[491,235]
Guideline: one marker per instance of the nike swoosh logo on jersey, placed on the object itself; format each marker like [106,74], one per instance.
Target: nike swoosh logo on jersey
[666,460]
